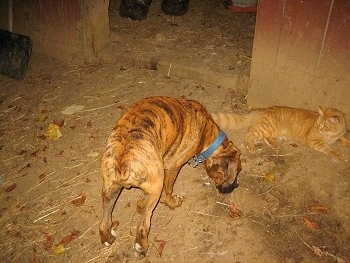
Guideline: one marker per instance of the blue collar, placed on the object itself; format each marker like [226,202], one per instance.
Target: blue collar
[195,160]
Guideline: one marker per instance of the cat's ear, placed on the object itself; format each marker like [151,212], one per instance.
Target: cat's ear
[321,110]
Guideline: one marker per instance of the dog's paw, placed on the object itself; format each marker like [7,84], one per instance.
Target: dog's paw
[172,201]
[181,195]
[108,240]
[113,233]
[139,252]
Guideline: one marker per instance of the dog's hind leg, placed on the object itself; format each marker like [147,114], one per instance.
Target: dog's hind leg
[167,198]
[109,198]
[153,191]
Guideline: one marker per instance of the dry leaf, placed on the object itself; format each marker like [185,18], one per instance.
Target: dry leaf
[53,132]
[72,109]
[10,187]
[318,209]
[161,247]
[67,239]
[310,223]
[79,200]
[270,177]
[59,249]
[234,211]
[48,242]
[42,118]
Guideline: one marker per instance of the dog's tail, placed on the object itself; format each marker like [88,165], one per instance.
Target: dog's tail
[113,166]
[226,120]
[108,162]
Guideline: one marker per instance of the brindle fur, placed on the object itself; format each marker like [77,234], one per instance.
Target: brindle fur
[148,147]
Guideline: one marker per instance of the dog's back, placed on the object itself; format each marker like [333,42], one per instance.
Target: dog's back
[152,132]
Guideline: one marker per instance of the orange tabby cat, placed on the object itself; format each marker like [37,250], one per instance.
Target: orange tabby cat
[315,129]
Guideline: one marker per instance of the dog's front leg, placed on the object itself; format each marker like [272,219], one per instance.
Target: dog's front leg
[169,180]
[153,191]
[109,197]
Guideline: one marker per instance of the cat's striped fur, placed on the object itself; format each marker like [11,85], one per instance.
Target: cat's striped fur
[315,129]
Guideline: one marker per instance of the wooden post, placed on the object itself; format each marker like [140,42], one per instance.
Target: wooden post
[96,31]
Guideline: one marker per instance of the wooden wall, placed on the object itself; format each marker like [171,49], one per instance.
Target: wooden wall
[64,29]
[301,54]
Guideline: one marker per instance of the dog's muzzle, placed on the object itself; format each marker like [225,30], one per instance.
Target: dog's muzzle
[226,189]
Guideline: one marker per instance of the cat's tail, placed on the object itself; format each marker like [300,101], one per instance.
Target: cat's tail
[226,120]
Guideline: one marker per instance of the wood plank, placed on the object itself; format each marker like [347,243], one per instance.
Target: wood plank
[265,46]
[307,62]
[300,39]
[335,55]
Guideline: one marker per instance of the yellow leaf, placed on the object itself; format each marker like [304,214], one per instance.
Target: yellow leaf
[42,118]
[59,249]
[269,177]
[53,132]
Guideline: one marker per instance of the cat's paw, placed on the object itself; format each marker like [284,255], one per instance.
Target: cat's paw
[343,141]
[271,143]
[337,156]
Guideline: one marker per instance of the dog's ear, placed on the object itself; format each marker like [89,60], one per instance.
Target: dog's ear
[224,167]
[228,153]
[230,150]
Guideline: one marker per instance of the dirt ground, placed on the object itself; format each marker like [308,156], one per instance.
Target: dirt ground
[208,43]
[291,205]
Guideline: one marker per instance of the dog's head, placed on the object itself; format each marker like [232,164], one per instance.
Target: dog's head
[224,166]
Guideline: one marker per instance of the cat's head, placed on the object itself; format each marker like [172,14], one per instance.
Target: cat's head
[331,122]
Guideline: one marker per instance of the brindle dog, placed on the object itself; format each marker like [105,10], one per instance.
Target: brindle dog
[148,147]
